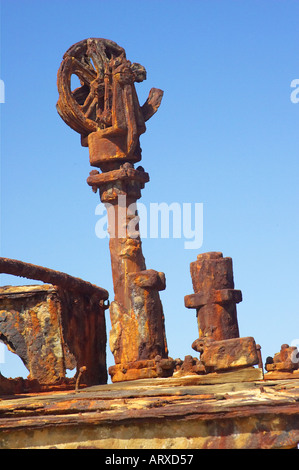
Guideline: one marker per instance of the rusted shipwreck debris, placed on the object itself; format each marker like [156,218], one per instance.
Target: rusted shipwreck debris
[61,324]
[284,364]
[53,327]
[163,413]
[105,110]
[215,300]
[219,399]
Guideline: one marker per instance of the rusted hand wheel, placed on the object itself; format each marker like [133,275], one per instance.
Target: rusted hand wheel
[87,60]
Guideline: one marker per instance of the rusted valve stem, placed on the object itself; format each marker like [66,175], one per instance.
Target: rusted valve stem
[81,370]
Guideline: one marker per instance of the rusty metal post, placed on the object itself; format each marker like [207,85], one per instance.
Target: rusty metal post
[215,297]
[215,300]
[105,110]
[138,333]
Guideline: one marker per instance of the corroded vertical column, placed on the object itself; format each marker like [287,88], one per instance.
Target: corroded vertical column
[214,296]
[105,110]
[137,338]
[215,300]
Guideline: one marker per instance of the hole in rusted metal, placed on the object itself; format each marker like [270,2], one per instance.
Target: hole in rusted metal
[9,362]
[75,82]
[70,373]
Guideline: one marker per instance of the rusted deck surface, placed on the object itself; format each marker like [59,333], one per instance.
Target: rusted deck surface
[169,413]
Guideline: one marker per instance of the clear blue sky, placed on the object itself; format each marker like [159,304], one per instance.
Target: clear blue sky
[226,135]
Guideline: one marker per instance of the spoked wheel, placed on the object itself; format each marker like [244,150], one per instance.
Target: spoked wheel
[87,60]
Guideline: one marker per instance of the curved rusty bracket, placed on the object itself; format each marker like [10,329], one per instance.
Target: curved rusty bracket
[57,278]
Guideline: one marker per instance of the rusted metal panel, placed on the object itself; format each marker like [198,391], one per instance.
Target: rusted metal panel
[156,413]
[84,331]
[53,328]
[30,323]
